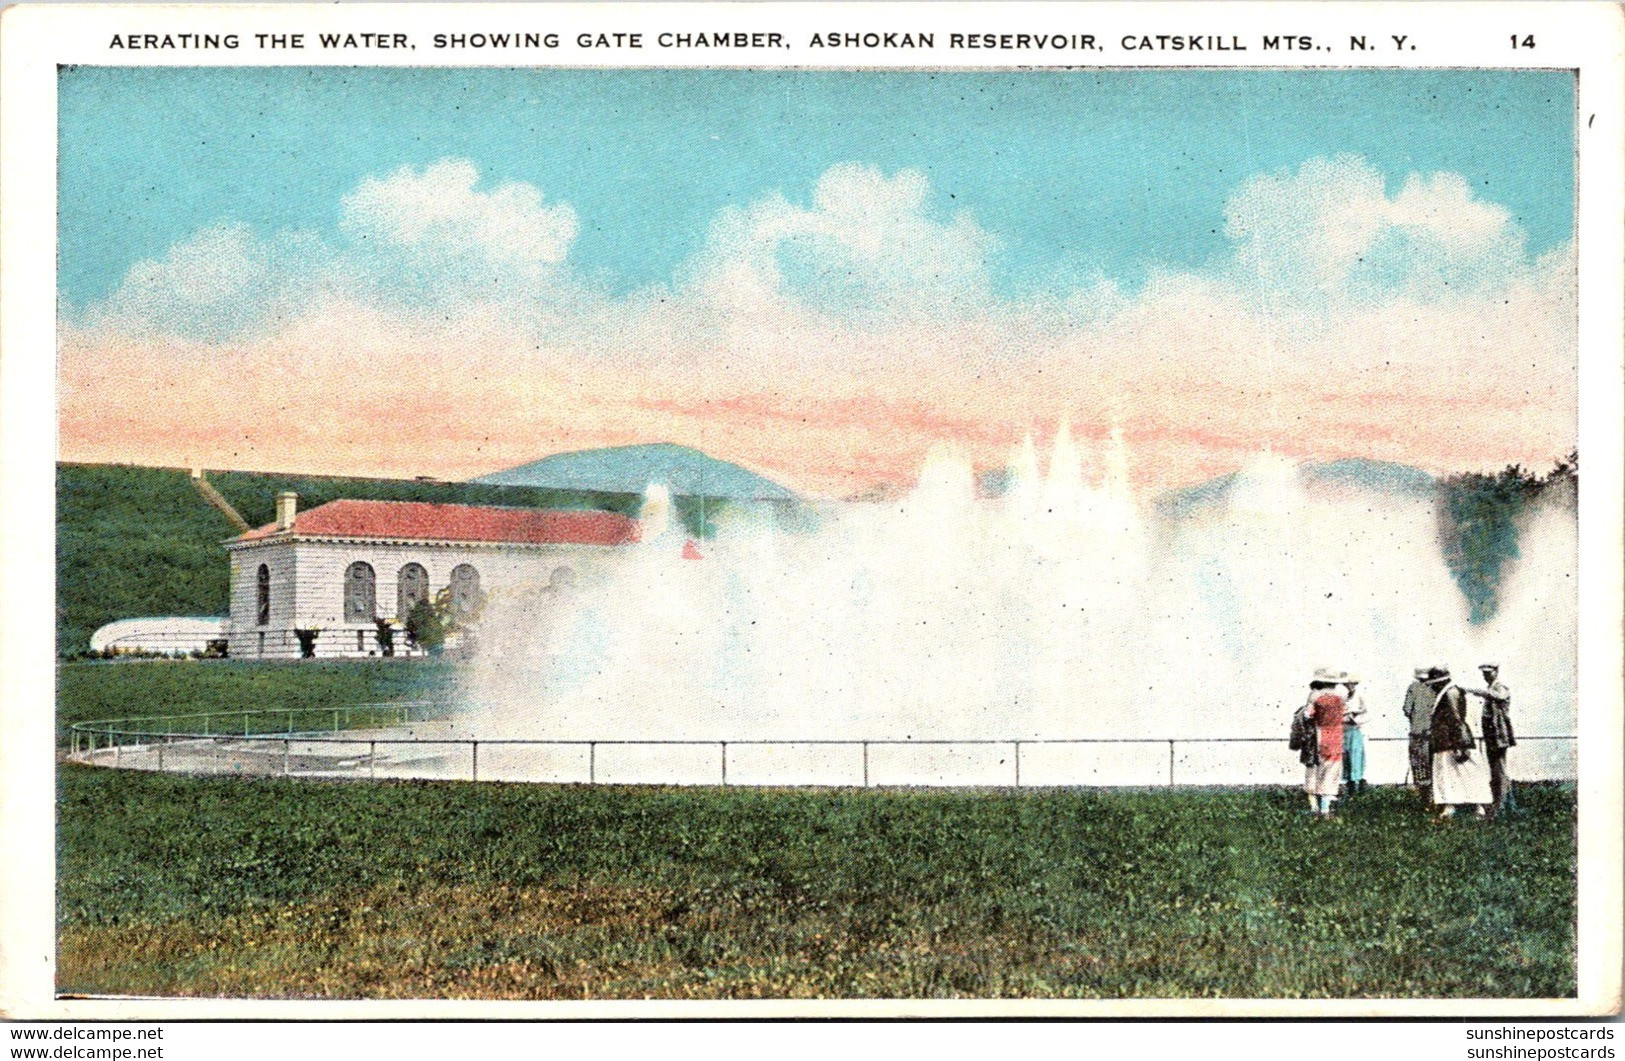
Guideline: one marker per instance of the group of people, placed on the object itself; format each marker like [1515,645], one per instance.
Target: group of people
[1445,761]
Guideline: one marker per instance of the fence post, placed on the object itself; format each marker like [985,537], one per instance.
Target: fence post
[208,724]
[474,751]
[1170,764]
[335,721]
[865,764]
[372,760]
[116,756]
[287,757]
[724,763]
[592,762]
[1018,764]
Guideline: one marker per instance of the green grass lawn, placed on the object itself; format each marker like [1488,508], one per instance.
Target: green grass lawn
[115,689]
[288,888]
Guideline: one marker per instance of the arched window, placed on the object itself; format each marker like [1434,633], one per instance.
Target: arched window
[360,600]
[411,586]
[465,589]
[262,596]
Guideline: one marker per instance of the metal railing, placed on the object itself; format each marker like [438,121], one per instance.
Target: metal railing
[329,742]
[271,723]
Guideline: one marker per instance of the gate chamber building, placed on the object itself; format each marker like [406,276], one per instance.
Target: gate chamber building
[342,567]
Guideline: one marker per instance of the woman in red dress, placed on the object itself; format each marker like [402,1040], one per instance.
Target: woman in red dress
[1325,709]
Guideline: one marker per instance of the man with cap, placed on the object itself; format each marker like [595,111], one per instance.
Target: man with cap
[1459,778]
[1498,737]
[1353,738]
[1419,711]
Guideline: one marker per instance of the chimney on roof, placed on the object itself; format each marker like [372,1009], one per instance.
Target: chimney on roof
[287,506]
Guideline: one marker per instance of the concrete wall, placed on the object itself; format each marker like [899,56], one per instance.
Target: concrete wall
[177,633]
[844,764]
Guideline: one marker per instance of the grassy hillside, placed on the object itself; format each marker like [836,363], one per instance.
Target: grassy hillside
[141,541]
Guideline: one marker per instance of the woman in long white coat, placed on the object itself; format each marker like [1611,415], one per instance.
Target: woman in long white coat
[1461,776]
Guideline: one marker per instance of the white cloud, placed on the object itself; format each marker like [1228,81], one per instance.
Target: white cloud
[414,241]
[866,281]
[866,251]
[868,246]
[1330,230]
[1442,205]
[438,215]
[218,283]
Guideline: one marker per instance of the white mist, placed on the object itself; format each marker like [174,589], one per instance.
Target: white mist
[1058,610]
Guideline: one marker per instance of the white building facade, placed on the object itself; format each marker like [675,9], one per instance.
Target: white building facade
[341,568]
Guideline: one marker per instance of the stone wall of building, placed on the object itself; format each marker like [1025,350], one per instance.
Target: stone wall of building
[250,639]
[308,587]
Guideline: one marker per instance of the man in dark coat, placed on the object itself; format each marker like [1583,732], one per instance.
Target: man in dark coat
[1419,711]
[1498,736]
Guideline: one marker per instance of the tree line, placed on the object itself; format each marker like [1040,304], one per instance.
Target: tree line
[1481,516]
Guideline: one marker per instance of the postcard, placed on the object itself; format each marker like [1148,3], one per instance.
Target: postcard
[812,510]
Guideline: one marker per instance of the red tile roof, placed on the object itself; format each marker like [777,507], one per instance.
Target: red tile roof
[421,521]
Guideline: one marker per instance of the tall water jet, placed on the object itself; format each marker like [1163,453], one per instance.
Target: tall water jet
[654,516]
[1061,609]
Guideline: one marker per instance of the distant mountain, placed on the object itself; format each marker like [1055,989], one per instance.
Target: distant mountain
[1384,476]
[1358,473]
[1189,499]
[685,472]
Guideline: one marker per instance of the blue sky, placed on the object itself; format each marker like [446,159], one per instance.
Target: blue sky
[821,275]
[1074,175]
